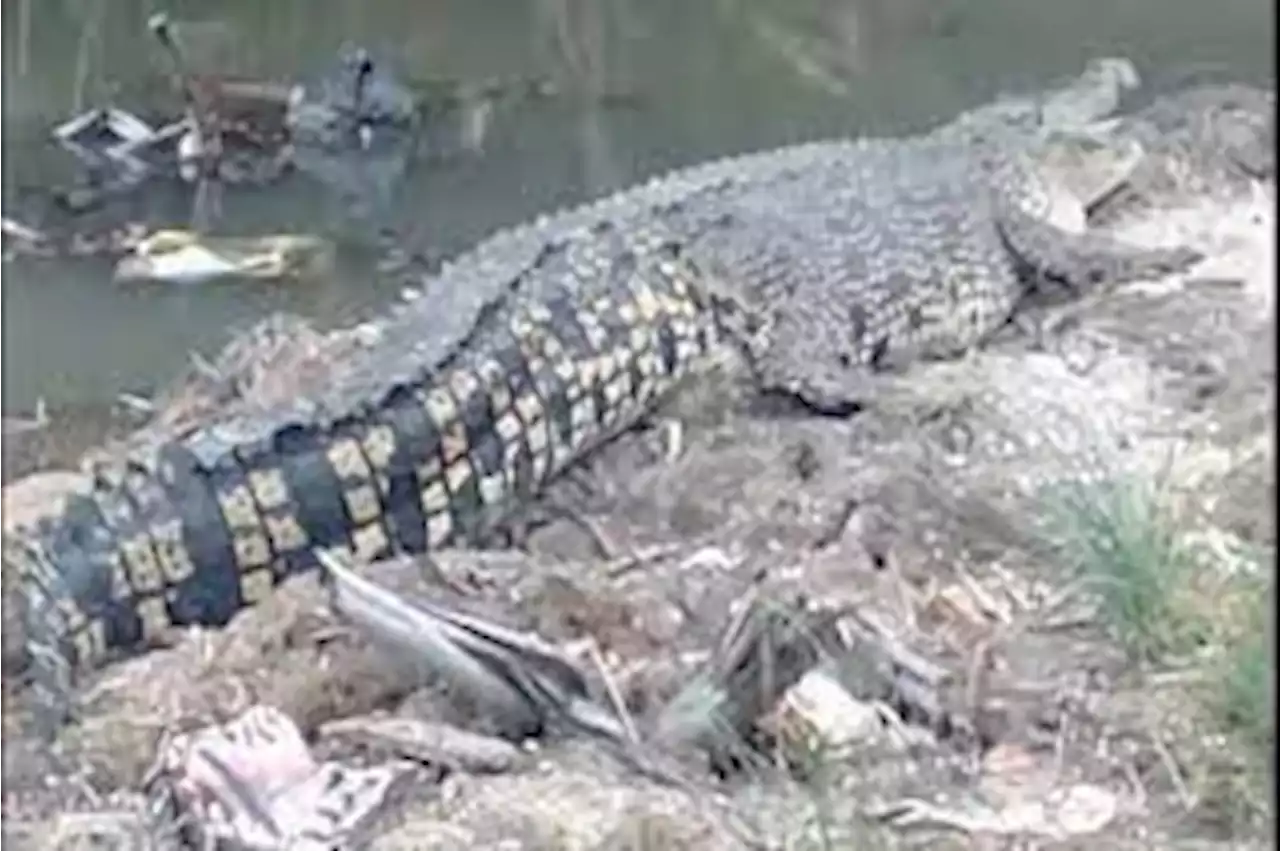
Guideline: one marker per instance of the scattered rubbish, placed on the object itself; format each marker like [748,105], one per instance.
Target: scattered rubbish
[136,404]
[98,133]
[229,132]
[120,152]
[353,127]
[523,681]
[185,257]
[17,425]
[253,782]
[818,715]
[29,238]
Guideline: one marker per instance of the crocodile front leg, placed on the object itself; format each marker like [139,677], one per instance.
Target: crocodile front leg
[1084,261]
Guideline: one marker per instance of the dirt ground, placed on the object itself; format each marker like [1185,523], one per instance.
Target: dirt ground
[925,515]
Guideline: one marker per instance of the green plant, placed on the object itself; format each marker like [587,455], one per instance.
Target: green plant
[1113,531]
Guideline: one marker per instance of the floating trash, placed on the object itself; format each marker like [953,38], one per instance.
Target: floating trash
[186,257]
[112,136]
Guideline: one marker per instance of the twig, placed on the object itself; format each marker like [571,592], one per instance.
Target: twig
[611,688]
[1135,780]
[907,597]
[137,404]
[1010,586]
[1185,795]
[16,229]
[1060,743]
[204,367]
[640,558]
[990,607]
[673,434]
[977,685]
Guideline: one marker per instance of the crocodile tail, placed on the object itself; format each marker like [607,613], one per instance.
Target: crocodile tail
[75,605]
[51,618]
[1085,261]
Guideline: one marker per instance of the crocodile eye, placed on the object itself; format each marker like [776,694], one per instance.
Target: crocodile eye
[670,250]
[915,317]
[879,352]
[859,322]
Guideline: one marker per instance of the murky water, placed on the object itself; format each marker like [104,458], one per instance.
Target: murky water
[702,78]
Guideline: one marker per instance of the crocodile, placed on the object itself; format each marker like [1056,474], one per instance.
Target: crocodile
[1202,141]
[815,263]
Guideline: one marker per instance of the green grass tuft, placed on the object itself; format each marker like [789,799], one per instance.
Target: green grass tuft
[1247,697]
[1241,704]
[1114,533]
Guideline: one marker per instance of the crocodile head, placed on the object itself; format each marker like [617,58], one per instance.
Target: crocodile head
[1069,104]
[1094,95]
[1214,141]
[1080,169]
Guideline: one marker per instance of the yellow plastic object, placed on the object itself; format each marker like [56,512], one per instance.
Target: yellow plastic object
[185,257]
